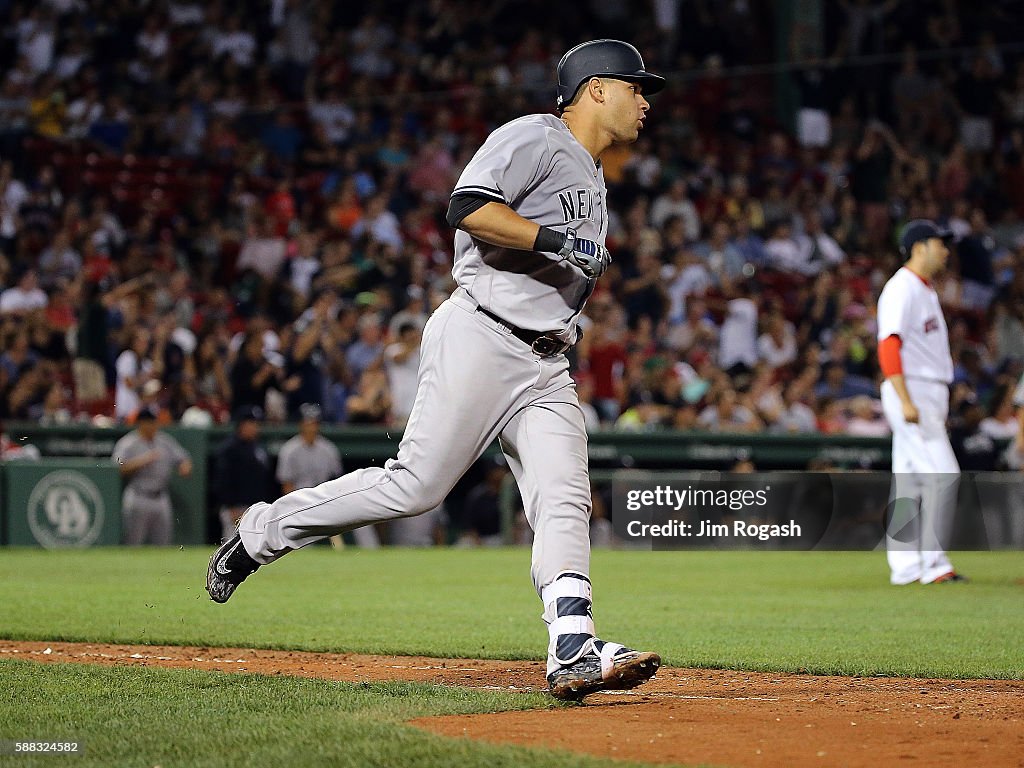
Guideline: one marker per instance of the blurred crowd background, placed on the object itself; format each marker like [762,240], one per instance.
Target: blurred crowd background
[209,206]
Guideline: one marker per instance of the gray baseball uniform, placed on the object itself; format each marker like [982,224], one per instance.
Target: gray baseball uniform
[146,501]
[479,381]
[304,465]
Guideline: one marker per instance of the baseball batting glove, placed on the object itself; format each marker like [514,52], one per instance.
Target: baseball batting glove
[590,257]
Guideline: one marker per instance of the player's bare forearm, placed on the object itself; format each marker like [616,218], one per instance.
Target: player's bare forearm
[497,224]
[900,385]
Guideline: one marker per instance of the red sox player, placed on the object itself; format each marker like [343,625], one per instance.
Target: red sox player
[913,351]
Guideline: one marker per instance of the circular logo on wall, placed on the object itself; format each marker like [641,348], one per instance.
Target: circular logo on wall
[65,509]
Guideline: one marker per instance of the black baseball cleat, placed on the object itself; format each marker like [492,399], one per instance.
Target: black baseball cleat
[229,567]
[628,670]
[951,578]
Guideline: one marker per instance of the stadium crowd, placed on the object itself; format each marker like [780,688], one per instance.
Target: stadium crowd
[206,206]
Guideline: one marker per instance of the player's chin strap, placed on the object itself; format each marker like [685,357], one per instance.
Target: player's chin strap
[567,613]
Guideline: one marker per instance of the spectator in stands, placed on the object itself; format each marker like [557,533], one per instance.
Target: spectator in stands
[728,414]
[1001,421]
[975,449]
[838,385]
[371,401]
[698,330]
[135,366]
[24,296]
[976,253]
[795,416]
[723,258]
[368,349]
[737,340]
[777,347]
[674,203]
[254,372]
[401,361]
[866,419]
[241,470]
[818,250]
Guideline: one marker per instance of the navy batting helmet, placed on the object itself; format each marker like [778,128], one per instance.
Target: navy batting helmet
[602,58]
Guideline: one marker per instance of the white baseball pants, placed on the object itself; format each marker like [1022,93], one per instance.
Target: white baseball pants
[477,382]
[926,479]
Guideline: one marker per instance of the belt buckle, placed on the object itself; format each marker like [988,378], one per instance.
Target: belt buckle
[546,346]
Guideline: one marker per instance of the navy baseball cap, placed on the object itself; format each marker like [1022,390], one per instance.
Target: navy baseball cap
[148,413]
[249,413]
[918,231]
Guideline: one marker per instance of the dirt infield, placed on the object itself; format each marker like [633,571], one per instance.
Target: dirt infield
[682,716]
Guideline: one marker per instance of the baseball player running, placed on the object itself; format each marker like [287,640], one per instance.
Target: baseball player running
[531,217]
[913,351]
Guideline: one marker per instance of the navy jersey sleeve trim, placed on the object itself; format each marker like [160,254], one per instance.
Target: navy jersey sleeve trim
[464,203]
[472,189]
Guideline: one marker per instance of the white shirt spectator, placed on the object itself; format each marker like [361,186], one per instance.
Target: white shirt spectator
[238,44]
[82,113]
[14,194]
[302,269]
[401,380]
[859,427]
[383,228]
[265,255]
[691,280]
[867,419]
[675,203]
[58,261]
[817,252]
[783,253]
[38,48]
[69,62]
[185,13]
[647,168]
[126,396]
[999,430]
[18,300]
[153,43]
[778,352]
[796,418]
[738,338]
[335,117]
[740,419]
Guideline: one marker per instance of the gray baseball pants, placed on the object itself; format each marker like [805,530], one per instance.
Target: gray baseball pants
[146,519]
[477,382]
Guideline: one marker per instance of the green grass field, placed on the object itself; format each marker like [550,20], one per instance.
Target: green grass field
[784,611]
[145,717]
[816,612]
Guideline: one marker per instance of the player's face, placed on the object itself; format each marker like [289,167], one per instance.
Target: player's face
[627,109]
[938,254]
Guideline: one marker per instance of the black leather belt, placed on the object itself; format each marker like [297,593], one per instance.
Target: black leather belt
[543,343]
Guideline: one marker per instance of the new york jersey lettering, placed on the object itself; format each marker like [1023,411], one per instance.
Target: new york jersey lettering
[576,204]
